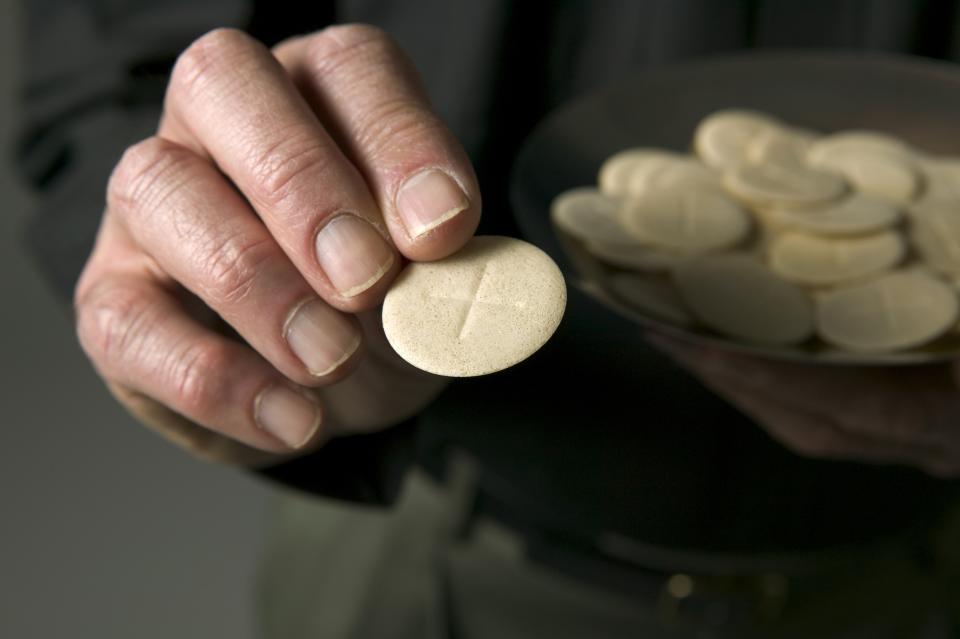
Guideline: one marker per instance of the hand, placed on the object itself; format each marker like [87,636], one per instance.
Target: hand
[899,415]
[229,301]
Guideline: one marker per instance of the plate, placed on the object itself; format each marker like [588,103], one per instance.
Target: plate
[915,99]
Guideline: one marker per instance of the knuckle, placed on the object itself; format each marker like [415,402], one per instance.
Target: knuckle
[333,44]
[205,56]
[197,377]
[110,318]
[288,46]
[354,57]
[397,124]
[288,166]
[144,176]
[234,267]
[87,280]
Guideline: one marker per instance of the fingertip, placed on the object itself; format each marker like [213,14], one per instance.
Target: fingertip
[341,369]
[438,214]
[292,416]
[326,342]
[428,199]
[369,298]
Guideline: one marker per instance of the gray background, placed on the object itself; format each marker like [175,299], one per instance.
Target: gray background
[105,530]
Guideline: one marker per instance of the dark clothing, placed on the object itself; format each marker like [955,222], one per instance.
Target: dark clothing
[596,433]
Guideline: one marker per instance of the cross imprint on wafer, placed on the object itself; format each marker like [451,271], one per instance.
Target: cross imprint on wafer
[479,296]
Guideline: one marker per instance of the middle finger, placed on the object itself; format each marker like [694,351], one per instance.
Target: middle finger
[229,98]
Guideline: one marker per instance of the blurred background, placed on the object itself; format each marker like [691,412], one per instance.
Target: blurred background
[106,530]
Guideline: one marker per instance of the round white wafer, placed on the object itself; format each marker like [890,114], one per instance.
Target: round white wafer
[770,184]
[588,215]
[853,215]
[738,297]
[635,257]
[686,219]
[721,139]
[666,173]
[485,308]
[869,142]
[617,171]
[899,310]
[875,164]
[823,261]
[782,146]
[935,233]
[652,296]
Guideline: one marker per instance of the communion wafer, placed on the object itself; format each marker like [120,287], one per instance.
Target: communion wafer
[780,145]
[738,297]
[665,173]
[617,171]
[686,219]
[876,165]
[887,177]
[822,261]
[858,141]
[485,308]
[721,139]
[853,215]
[898,310]
[589,215]
[770,184]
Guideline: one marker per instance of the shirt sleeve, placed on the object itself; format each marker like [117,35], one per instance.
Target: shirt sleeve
[94,76]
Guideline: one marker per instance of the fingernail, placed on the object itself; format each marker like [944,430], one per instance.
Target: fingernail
[428,199]
[321,337]
[287,415]
[352,254]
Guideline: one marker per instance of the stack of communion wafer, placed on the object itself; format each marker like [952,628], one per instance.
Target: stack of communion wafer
[776,235]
